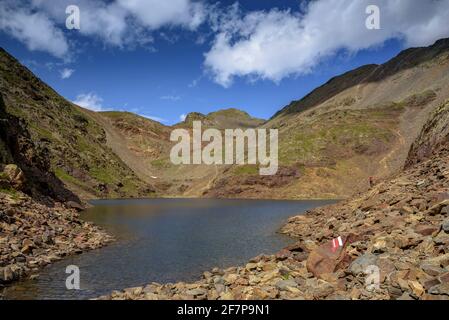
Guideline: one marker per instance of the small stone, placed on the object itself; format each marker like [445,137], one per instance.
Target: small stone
[251,266]
[406,210]
[226,296]
[442,289]
[196,292]
[136,291]
[75,205]
[405,296]
[6,275]
[431,269]
[441,239]
[220,288]
[285,284]
[445,225]
[416,287]
[230,278]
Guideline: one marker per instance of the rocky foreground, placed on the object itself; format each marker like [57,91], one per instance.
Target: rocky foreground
[400,227]
[33,235]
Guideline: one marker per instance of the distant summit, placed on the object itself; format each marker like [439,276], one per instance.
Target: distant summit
[223,119]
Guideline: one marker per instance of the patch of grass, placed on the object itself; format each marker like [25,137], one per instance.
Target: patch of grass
[160,163]
[41,132]
[420,99]
[103,175]
[246,169]
[11,192]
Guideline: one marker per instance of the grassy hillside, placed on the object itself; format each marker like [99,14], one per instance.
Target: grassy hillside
[74,141]
[357,125]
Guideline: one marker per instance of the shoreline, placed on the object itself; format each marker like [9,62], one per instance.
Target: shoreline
[399,227]
[33,235]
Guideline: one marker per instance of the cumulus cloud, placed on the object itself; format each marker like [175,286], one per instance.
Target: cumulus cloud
[127,22]
[34,29]
[39,24]
[157,13]
[278,43]
[183,117]
[89,101]
[66,73]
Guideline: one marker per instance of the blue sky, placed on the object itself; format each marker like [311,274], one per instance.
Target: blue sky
[231,56]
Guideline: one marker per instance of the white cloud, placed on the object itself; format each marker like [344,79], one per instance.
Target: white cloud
[40,24]
[127,22]
[278,43]
[157,13]
[34,29]
[89,101]
[171,98]
[66,73]
[194,82]
[183,117]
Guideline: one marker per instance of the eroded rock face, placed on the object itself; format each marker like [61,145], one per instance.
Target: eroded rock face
[434,136]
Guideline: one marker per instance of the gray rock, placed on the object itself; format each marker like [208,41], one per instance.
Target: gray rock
[284,284]
[441,289]
[359,265]
[405,296]
[220,288]
[445,225]
[6,275]
[196,292]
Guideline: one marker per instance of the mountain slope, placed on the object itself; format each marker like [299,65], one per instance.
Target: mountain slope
[75,144]
[222,119]
[144,145]
[357,125]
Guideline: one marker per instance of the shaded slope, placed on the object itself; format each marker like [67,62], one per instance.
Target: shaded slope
[75,143]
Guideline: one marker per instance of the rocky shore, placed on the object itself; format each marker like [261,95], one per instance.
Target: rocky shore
[33,235]
[399,229]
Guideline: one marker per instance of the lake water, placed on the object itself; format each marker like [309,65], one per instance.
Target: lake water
[166,240]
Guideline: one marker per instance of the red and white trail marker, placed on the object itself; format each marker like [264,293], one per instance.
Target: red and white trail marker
[336,243]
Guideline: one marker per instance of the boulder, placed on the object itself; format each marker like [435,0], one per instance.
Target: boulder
[439,208]
[426,229]
[75,205]
[15,176]
[324,259]
[445,225]
[286,284]
[360,265]
[440,289]
[7,275]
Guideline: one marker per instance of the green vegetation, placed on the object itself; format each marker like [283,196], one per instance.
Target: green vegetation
[337,135]
[160,163]
[247,169]
[10,191]
[420,99]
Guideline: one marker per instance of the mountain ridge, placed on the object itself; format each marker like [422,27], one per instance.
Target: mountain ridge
[358,124]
